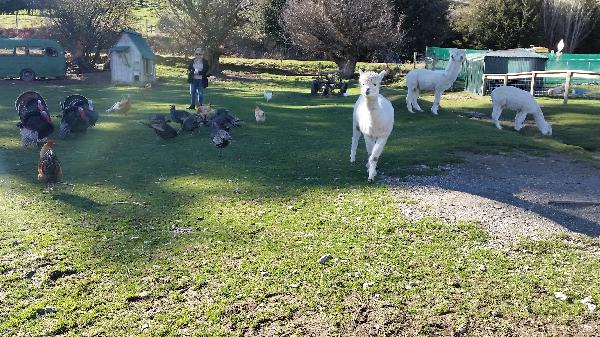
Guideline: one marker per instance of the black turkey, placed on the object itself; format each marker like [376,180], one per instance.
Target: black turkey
[220,137]
[178,116]
[161,126]
[78,115]
[35,120]
[191,123]
[224,120]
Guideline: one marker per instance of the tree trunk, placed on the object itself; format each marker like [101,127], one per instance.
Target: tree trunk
[346,67]
[214,67]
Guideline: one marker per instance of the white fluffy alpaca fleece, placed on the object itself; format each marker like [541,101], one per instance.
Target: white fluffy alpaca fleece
[523,103]
[436,80]
[373,117]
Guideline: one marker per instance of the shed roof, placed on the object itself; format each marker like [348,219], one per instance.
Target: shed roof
[140,43]
[511,53]
[119,48]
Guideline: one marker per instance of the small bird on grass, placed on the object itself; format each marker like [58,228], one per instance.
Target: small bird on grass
[123,106]
[268,95]
[206,111]
[178,116]
[260,115]
[160,125]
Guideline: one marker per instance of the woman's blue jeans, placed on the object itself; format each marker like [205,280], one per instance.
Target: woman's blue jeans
[196,92]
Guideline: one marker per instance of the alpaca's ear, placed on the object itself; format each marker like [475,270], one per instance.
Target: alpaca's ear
[383,73]
[360,72]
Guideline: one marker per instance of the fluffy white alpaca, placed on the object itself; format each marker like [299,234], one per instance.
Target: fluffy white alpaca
[373,117]
[436,80]
[523,102]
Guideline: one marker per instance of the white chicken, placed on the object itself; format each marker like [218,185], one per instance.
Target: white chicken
[268,95]
[123,106]
[260,115]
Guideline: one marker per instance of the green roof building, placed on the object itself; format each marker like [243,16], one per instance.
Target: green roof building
[500,62]
[131,60]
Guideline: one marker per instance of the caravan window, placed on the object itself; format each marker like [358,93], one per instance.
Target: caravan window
[7,51]
[36,51]
[20,51]
[51,52]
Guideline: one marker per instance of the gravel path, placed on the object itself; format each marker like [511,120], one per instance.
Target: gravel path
[512,196]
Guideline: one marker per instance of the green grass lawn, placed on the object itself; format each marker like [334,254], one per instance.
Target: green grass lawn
[102,257]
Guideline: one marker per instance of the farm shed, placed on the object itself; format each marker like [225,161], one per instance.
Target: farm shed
[500,62]
[131,60]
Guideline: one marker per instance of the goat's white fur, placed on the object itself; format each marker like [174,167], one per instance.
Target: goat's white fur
[373,117]
[523,103]
[436,80]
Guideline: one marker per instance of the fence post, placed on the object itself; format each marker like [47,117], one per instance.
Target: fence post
[505,79]
[567,86]
[483,85]
[414,60]
[532,91]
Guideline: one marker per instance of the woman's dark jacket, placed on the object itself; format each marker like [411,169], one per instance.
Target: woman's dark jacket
[204,72]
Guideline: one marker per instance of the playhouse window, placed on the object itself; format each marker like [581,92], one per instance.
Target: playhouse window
[147,67]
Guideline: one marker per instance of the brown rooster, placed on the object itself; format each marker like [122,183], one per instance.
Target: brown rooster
[49,170]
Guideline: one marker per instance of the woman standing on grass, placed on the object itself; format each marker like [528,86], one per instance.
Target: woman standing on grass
[197,78]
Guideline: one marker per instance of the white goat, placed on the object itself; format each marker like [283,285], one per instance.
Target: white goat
[523,102]
[436,80]
[373,117]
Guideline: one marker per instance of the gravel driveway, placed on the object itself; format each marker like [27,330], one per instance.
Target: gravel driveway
[512,196]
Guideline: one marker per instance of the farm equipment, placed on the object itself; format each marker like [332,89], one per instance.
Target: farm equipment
[328,83]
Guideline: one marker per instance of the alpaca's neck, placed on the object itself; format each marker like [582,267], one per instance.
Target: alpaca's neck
[539,119]
[373,109]
[372,104]
[452,70]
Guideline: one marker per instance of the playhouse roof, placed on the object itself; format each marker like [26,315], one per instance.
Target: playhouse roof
[140,44]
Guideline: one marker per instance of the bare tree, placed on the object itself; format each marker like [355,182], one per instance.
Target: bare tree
[203,23]
[342,30]
[86,28]
[571,20]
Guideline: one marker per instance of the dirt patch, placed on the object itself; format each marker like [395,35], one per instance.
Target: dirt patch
[375,317]
[512,196]
[276,315]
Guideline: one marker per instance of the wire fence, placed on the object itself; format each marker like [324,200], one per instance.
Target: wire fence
[564,84]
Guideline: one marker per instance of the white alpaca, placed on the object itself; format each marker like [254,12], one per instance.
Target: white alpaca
[523,102]
[436,80]
[373,117]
